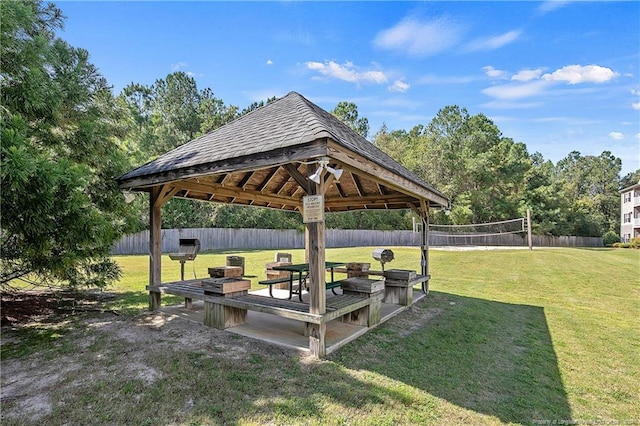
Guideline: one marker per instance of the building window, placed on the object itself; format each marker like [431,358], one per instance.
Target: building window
[627,218]
[627,197]
[626,238]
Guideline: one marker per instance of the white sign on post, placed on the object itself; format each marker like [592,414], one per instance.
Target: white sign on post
[313,208]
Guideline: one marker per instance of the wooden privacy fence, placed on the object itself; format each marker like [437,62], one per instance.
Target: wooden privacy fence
[226,238]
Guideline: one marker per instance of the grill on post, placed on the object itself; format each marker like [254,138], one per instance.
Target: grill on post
[383,256]
[188,250]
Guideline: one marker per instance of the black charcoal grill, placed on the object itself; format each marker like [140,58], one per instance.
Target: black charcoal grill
[383,256]
[188,250]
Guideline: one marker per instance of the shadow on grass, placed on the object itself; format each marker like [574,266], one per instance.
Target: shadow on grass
[490,357]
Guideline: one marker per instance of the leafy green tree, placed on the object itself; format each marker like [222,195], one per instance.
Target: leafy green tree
[181,213]
[213,113]
[375,220]
[61,208]
[256,105]
[630,179]
[468,159]
[235,216]
[548,211]
[347,112]
[590,185]
[175,117]
[137,102]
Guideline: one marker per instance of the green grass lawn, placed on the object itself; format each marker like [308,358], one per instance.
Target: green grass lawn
[508,336]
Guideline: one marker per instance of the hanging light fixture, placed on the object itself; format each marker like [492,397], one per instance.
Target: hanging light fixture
[323,163]
[316,176]
[128,196]
[336,172]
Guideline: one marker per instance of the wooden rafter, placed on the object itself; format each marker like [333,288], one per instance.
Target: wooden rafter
[280,187]
[222,178]
[236,193]
[300,179]
[245,179]
[165,193]
[370,200]
[268,179]
[358,184]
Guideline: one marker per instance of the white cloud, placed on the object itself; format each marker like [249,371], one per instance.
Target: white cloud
[178,66]
[516,90]
[347,72]
[531,82]
[420,38]
[494,73]
[638,136]
[574,74]
[399,86]
[635,105]
[492,43]
[527,75]
[635,92]
[269,62]
[551,5]
[616,135]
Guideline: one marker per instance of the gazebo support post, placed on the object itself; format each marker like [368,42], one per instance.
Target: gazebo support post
[155,246]
[158,197]
[317,292]
[424,248]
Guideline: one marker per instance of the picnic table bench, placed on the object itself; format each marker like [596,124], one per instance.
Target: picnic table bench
[332,285]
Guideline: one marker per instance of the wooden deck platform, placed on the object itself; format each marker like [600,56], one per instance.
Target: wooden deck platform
[279,320]
[285,332]
[335,306]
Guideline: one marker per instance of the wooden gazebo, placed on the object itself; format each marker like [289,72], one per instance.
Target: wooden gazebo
[266,158]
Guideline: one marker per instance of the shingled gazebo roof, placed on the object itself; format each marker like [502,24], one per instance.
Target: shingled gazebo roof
[264,157]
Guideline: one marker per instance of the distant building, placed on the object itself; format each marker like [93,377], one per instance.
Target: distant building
[630,213]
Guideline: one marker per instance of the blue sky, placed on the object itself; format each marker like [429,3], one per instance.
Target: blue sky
[558,76]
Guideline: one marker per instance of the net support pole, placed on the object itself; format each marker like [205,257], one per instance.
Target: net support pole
[424,248]
[529,237]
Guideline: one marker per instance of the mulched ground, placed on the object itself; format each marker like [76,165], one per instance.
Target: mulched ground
[24,307]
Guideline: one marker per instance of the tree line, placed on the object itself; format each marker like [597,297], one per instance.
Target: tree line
[66,136]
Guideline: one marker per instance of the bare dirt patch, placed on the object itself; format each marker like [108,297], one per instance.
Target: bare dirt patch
[96,347]
[29,306]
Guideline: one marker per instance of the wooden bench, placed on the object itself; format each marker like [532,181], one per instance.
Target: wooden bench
[336,307]
[189,289]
